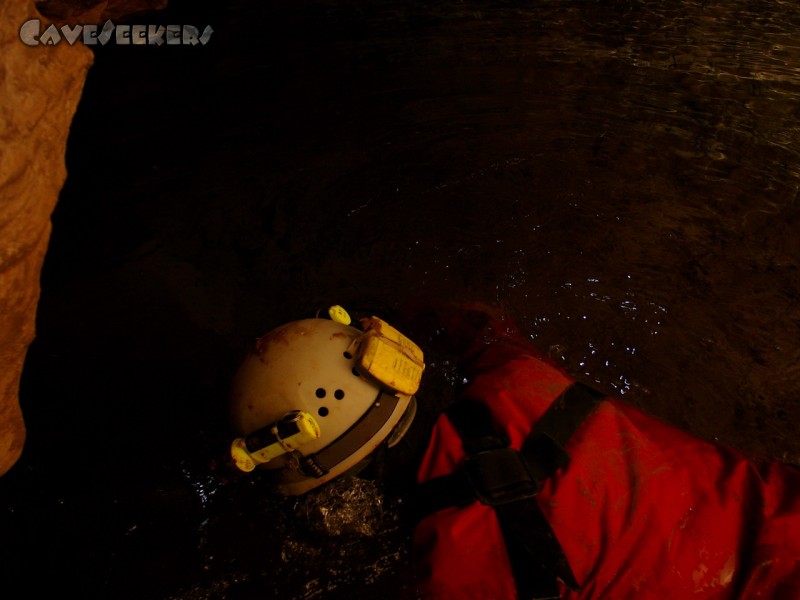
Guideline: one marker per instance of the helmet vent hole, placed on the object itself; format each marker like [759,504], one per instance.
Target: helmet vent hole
[320,392]
[323,411]
[347,355]
[355,372]
[338,394]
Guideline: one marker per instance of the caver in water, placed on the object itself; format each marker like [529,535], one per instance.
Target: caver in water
[531,485]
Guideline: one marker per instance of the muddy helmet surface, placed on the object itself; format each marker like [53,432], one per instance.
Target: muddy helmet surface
[312,400]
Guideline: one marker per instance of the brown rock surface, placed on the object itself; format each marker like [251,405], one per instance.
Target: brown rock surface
[39,92]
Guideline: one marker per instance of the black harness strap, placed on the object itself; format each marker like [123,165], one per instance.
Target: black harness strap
[545,444]
[508,481]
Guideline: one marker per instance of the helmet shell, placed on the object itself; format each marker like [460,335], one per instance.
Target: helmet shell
[305,365]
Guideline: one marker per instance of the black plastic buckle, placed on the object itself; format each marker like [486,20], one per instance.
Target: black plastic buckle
[500,476]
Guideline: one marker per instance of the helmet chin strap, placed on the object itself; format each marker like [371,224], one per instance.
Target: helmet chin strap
[373,467]
[360,433]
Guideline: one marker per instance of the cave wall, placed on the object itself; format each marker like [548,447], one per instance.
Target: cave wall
[40,88]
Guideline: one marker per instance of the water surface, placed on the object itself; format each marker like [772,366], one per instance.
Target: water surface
[622,175]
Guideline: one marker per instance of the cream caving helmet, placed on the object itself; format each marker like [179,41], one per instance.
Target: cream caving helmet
[314,398]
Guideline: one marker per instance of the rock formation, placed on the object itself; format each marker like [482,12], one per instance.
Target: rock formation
[40,88]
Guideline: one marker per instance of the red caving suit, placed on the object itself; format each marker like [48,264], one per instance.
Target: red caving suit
[643,510]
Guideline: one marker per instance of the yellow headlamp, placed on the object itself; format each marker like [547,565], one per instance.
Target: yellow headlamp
[384,354]
[289,433]
[390,357]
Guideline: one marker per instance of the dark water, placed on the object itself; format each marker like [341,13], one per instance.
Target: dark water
[623,175]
